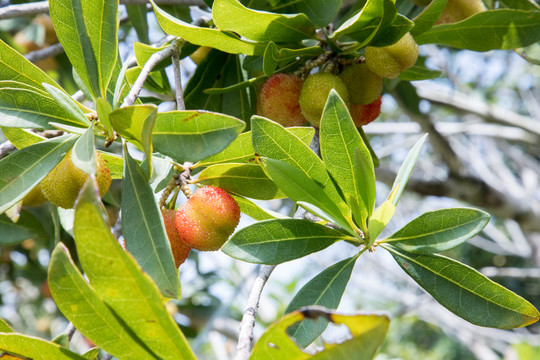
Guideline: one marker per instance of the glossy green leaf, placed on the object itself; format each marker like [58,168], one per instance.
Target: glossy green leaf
[31,109]
[320,12]
[274,141]
[143,52]
[391,34]
[440,230]
[418,72]
[4,326]
[261,26]
[380,218]
[194,135]
[325,289]
[466,292]
[273,56]
[67,103]
[367,331]
[217,39]
[144,231]
[254,211]
[302,189]
[135,124]
[137,16]
[25,168]
[83,154]
[121,283]
[115,164]
[241,103]
[241,149]
[428,17]
[26,227]
[247,180]
[487,30]
[90,315]
[362,27]
[21,138]
[20,85]
[34,348]
[91,354]
[405,171]
[277,241]
[345,155]
[14,66]
[103,110]
[521,4]
[88,33]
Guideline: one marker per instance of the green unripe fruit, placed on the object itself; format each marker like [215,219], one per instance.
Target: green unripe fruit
[278,100]
[63,184]
[364,86]
[207,219]
[180,250]
[200,54]
[457,10]
[315,92]
[390,61]
[35,197]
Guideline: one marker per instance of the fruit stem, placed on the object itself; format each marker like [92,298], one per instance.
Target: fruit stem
[173,183]
[184,179]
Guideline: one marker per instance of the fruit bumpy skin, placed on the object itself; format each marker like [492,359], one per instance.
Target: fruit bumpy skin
[179,249]
[315,92]
[364,114]
[278,100]
[63,184]
[390,61]
[207,219]
[35,197]
[457,10]
[364,86]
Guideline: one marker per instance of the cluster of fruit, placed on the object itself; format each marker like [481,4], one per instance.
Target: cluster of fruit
[291,101]
[203,223]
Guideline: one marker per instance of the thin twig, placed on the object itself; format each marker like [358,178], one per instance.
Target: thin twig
[70,331]
[44,53]
[152,62]
[13,11]
[177,48]
[6,148]
[245,339]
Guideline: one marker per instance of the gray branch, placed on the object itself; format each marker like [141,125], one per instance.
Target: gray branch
[179,93]
[245,338]
[45,53]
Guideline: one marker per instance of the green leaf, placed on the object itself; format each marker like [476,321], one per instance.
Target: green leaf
[261,26]
[123,286]
[143,52]
[367,331]
[418,72]
[137,16]
[405,171]
[144,231]
[380,218]
[521,4]
[428,17]
[302,189]
[277,241]
[83,154]
[440,230]
[103,110]
[27,227]
[79,303]
[34,348]
[320,12]
[391,34]
[240,103]
[466,292]
[362,27]
[217,39]
[255,212]
[67,103]
[272,140]
[345,155]
[21,138]
[115,164]
[325,289]
[487,30]
[32,109]
[241,149]
[135,124]
[21,171]
[273,56]
[194,135]
[13,65]
[88,32]
[247,180]
[4,326]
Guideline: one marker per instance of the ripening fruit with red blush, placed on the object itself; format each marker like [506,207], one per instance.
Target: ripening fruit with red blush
[390,61]
[207,219]
[278,100]
[180,250]
[364,86]
[364,114]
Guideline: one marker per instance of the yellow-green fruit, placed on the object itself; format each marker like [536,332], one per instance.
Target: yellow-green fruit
[35,197]
[63,184]
[198,55]
[390,61]
[457,10]
[364,86]
[315,92]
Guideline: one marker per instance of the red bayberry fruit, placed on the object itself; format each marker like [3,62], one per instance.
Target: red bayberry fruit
[364,114]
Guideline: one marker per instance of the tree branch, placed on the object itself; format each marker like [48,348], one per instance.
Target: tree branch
[44,53]
[13,11]
[245,339]
[179,93]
